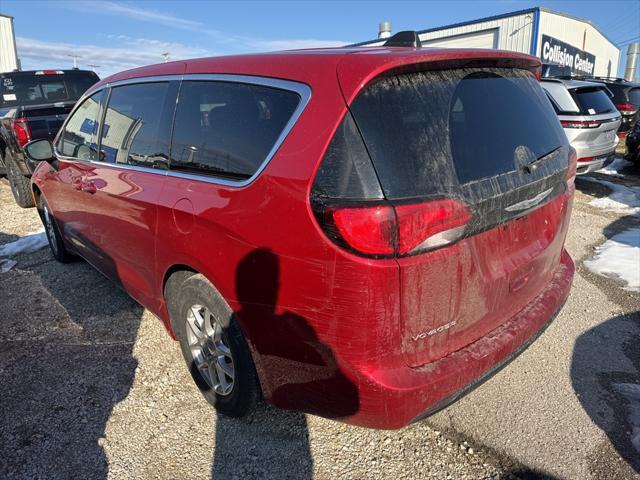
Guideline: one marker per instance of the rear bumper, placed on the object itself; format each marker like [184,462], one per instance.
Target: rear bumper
[393,398]
[593,165]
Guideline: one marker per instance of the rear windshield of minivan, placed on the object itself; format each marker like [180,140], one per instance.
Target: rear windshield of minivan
[22,88]
[475,122]
[593,101]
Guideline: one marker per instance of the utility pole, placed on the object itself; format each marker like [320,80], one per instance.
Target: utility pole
[165,55]
[93,67]
[75,59]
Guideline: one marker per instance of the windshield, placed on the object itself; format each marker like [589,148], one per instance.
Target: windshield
[21,88]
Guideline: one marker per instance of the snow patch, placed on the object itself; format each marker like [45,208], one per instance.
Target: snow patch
[622,199]
[614,167]
[27,244]
[7,264]
[632,392]
[619,257]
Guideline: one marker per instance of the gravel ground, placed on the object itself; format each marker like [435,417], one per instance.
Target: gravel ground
[93,387]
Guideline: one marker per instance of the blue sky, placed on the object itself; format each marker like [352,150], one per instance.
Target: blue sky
[117,35]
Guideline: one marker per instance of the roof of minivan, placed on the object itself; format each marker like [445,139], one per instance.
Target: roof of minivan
[355,66]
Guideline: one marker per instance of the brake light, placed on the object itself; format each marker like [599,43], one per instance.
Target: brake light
[626,107]
[387,230]
[579,124]
[22,131]
[369,230]
[622,134]
[585,159]
[49,72]
[429,225]
[573,167]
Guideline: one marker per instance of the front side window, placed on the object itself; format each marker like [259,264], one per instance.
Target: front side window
[137,125]
[79,139]
[227,129]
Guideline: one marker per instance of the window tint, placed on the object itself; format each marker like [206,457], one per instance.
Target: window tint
[79,139]
[634,96]
[593,101]
[228,129]
[30,89]
[427,131]
[137,125]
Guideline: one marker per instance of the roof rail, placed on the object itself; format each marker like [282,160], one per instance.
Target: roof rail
[406,38]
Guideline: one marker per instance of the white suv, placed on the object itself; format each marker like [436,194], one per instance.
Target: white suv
[589,118]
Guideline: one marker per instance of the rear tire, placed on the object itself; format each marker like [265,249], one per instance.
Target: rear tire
[215,349]
[20,185]
[52,231]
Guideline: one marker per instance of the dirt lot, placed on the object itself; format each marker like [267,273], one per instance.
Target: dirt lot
[91,386]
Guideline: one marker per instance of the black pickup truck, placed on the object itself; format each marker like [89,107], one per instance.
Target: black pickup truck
[33,104]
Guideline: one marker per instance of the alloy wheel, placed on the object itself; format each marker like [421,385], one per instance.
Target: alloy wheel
[209,351]
[48,225]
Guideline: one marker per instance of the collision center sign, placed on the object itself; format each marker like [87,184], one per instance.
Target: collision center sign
[560,53]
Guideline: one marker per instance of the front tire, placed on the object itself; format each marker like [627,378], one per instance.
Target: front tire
[20,185]
[213,346]
[52,231]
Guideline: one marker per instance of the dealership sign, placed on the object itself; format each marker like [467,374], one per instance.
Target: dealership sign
[560,53]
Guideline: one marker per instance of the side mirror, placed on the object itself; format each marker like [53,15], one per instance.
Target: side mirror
[39,150]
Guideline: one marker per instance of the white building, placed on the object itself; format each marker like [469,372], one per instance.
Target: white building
[8,52]
[555,38]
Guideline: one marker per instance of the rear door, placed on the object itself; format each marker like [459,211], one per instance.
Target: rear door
[121,189]
[486,138]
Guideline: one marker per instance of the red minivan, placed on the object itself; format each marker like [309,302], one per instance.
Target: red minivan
[363,234]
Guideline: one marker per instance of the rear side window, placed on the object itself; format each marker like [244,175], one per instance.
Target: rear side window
[428,132]
[228,129]
[79,139]
[593,101]
[137,125]
[634,96]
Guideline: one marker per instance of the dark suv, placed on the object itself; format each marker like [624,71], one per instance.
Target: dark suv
[626,97]
[33,105]
[359,233]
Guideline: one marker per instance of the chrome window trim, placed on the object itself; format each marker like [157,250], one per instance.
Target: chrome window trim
[303,91]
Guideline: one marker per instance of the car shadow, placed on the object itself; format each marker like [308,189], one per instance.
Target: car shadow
[272,442]
[605,374]
[66,340]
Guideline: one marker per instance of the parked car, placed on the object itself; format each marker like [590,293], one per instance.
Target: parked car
[589,118]
[33,104]
[626,97]
[633,142]
[359,233]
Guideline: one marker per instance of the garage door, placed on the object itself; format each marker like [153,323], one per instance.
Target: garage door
[483,39]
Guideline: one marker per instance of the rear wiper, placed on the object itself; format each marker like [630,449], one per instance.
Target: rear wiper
[532,166]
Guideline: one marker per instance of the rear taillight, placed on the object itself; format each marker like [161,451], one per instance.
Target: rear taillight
[626,107]
[622,134]
[573,167]
[579,124]
[429,225]
[22,131]
[396,230]
[368,230]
